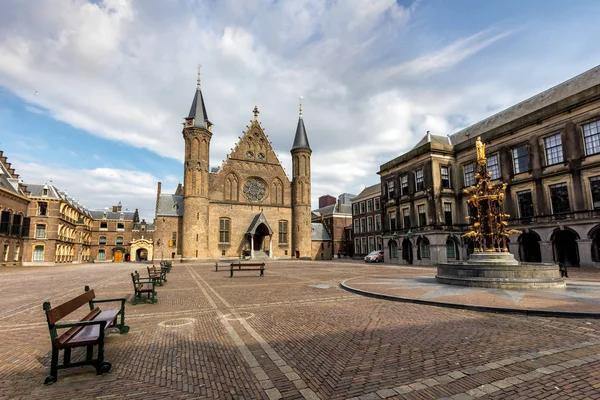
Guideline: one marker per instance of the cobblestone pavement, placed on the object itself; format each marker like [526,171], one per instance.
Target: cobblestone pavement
[293,334]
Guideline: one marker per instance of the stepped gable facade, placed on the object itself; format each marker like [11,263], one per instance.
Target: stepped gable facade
[248,207]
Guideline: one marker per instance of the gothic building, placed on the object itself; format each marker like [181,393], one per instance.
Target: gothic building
[248,207]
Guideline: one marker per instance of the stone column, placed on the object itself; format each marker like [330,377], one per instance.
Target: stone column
[251,246]
[270,246]
[584,246]
[547,252]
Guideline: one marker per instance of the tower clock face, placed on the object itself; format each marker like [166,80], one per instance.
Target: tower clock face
[254,189]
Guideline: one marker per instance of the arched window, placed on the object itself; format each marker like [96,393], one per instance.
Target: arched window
[102,240]
[38,253]
[424,246]
[101,255]
[40,231]
[119,241]
[231,187]
[451,249]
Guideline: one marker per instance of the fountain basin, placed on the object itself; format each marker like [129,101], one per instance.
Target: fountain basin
[500,270]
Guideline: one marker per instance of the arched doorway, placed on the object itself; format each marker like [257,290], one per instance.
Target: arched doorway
[529,247]
[141,255]
[407,251]
[393,248]
[259,238]
[595,236]
[118,254]
[564,245]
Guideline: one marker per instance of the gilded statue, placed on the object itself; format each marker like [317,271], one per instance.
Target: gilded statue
[489,229]
[481,159]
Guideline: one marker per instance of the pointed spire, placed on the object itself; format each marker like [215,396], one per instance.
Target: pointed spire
[198,110]
[300,140]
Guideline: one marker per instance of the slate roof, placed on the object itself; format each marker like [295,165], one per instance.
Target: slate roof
[170,205]
[333,209]
[319,233]
[99,214]
[138,227]
[300,140]
[256,222]
[37,190]
[7,181]
[561,91]
[429,138]
[198,111]
[368,192]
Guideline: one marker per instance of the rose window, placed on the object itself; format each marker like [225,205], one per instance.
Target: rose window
[254,189]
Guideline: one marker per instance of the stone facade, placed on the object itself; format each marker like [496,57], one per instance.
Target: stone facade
[14,223]
[247,207]
[546,148]
[335,218]
[112,233]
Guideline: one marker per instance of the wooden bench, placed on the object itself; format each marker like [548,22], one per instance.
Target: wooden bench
[87,332]
[157,274]
[141,286]
[167,265]
[247,266]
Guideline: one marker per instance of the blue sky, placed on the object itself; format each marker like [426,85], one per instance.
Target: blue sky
[92,94]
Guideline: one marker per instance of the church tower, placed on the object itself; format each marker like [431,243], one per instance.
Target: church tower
[301,204]
[197,135]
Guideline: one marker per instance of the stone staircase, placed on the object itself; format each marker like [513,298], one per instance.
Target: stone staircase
[260,255]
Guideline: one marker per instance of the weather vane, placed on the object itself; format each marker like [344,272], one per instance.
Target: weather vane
[301,105]
[198,81]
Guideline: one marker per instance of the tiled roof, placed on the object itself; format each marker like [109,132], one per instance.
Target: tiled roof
[368,192]
[170,205]
[333,209]
[319,233]
[7,181]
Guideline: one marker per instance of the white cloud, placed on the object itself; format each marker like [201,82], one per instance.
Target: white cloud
[125,71]
[97,188]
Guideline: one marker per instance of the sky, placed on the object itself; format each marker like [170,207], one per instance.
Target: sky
[93,93]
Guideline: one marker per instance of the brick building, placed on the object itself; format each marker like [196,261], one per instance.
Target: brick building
[546,148]
[334,218]
[366,221]
[60,228]
[112,234]
[14,223]
[247,207]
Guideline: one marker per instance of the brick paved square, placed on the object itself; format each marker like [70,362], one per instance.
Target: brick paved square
[286,336]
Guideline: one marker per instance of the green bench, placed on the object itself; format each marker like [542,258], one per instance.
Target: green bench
[143,286]
[88,332]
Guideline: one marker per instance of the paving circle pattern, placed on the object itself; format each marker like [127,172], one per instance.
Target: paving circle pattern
[578,296]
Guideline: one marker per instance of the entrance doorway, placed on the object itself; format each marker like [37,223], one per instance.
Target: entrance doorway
[529,247]
[141,255]
[118,256]
[564,244]
[407,251]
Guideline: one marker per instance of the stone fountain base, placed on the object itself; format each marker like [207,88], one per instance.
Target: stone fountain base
[500,270]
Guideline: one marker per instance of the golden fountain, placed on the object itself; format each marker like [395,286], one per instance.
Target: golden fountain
[492,265]
[489,230]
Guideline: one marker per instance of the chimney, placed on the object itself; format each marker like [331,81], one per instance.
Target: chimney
[119,207]
[114,208]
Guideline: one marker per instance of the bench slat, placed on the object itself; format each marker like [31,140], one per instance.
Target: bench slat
[57,313]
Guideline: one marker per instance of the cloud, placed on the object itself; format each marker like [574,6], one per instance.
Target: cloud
[447,57]
[126,71]
[97,188]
